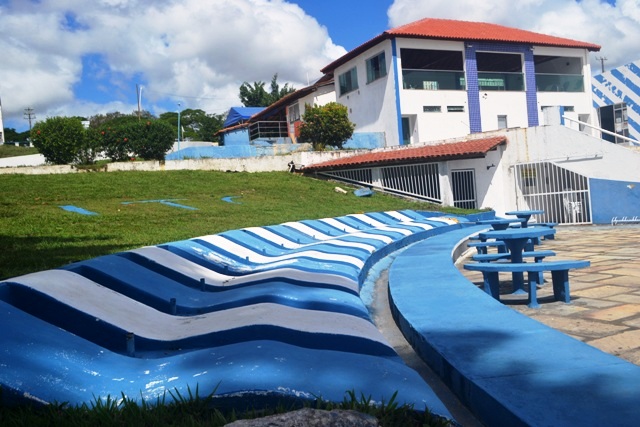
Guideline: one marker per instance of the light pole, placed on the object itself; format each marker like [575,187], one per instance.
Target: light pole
[178,126]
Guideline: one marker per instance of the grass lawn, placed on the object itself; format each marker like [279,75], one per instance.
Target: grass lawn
[13,151]
[37,234]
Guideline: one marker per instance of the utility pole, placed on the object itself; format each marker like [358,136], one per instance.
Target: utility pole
[2,141]
[601,59]
[29,115]
[139,95]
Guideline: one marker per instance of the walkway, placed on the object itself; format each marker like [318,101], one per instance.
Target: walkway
[605,298]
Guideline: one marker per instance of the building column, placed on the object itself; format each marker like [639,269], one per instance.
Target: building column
[473,92]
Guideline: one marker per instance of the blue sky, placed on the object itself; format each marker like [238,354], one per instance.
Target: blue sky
[64,58]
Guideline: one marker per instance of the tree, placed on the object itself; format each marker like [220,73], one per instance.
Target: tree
[327,125]
[254,96]
[60,139]
[277,92]
[11,135]
[257,95]
[118,118]
[150,139]
[197,124]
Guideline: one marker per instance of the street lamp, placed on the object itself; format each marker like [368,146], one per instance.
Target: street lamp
[178,126]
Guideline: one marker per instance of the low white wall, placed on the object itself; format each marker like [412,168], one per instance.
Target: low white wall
[246,164]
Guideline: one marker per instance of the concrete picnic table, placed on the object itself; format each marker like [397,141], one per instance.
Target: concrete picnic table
[500,223]
[515,239]
[525,214]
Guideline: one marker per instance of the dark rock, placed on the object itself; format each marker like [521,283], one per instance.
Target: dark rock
[311,418]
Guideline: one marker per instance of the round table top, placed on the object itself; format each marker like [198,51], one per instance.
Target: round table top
[500,221]
[517,233]
[525,213]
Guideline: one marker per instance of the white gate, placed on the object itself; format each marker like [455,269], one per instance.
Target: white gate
[563,195]
[421,181]
[463,186]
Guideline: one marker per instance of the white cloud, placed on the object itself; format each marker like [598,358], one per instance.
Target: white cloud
[203,50]
[192,48]
[615,28]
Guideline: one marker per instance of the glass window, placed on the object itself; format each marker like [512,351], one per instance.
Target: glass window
[376,67]
[455,108]
[502,122]
[348,81]
[294,112]
[431,109]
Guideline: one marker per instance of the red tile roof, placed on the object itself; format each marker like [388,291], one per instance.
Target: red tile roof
[447,29]
[473,148]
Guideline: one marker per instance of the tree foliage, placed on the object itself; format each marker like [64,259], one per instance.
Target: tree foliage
[197,124]
[11,135]
[59,139]
[114,140]
[64,140]
[151,139]
[257,96]
[326,125]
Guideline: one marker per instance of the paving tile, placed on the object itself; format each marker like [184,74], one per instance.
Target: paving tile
[622,280]
[615,313]
[588,278]
[626,298]
[632,322]
[605,304]
[600,291]
[579,326]
[618,343]
[592,303]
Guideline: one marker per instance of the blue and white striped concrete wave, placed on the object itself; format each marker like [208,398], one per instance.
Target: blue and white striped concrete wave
[251,313]
[621,84]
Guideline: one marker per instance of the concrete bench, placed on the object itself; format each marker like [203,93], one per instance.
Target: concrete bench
[545,224]
[482,247]
[559,275]
[536,255]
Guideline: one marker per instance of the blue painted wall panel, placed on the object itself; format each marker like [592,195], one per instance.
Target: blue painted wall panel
[613,199]
[619,85]
[368,140]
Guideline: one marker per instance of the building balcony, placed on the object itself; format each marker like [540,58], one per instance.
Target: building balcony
[559,82]
[433,80]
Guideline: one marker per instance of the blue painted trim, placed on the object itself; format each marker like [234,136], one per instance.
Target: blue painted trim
[168,202]
[229,199]
[394,57]
[71,208]
[613,199]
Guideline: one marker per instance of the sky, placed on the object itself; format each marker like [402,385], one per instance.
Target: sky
[79,58]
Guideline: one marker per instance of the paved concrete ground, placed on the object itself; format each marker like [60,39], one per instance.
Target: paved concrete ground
[605,298]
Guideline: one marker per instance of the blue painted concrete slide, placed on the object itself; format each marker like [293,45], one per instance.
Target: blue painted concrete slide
[508,369]
[275,315]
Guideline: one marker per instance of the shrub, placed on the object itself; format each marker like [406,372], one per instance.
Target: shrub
[151,139]
[59,139]
[90,147]
[327,125]
[115,143]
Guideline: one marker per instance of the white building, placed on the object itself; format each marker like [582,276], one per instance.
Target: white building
[435,79]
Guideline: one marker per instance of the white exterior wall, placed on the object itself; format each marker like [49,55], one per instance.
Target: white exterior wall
[500,103]
[429,126]
[372,107]
[580,101]
[323,96]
